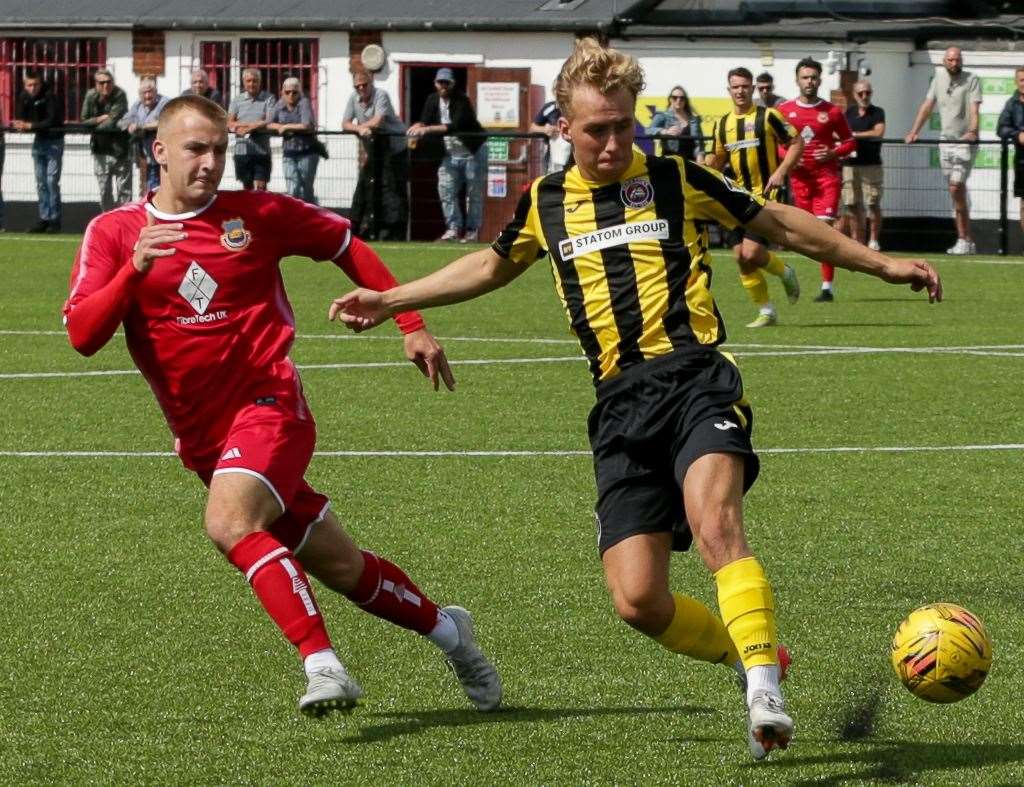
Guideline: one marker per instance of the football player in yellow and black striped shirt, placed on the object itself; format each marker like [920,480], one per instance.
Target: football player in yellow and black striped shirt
[748,139]
[670,430]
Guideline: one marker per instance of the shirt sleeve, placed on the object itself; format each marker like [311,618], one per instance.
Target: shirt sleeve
[784,130]
[521,241]
[306,112]
[349,115]
[233,108]
[974,89]
[306,230]
[932,94]
[710,196]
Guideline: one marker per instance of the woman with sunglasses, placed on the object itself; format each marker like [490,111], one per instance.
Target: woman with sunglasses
[678,127]
[292,118]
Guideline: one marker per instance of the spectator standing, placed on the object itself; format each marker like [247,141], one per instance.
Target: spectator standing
[558,152]
[1011,127]
[678,127]
[247,120]
[200,82]
[292,118]
[957,94]
[111,147]
[449,111]
[766,95]
[862,172]
[141,122]
[41,110]
[369,111]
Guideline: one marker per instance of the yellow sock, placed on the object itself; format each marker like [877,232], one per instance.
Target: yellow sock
[699,633]
[775,266]
[748,610]
[757,287]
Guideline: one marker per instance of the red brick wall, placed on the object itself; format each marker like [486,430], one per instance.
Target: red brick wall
[356,42]
[148,52]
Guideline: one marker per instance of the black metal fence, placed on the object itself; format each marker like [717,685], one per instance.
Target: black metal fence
[388,185]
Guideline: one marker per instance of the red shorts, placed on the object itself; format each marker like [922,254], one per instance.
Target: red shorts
[271,441]
[817,192]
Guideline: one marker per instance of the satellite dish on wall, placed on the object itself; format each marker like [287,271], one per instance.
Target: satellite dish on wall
[373,57]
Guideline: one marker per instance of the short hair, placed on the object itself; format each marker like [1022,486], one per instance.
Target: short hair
[362,72]
[808,62]
[865,82]
[200,73]
[147,81]
[211,110]
[31,73]
[103,72]
[292,82]
[740,71]
[764,76]
[254,71]
[1018,70]
[601,67]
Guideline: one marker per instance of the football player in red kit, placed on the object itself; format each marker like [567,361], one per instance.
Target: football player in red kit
[816,181]
[194,276]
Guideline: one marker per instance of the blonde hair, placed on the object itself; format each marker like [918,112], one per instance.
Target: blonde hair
[601,67]
[210,110]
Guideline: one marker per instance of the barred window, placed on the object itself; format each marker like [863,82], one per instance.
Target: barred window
[215,60]
[279,58]
[67,64]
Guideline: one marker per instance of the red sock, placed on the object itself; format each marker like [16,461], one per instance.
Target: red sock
[281,586]
[384,590]
[828,272]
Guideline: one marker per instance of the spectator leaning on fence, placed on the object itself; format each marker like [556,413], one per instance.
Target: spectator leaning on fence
[141,122]
[448,111]
[862,172]
[41,110]
[369,111]
[1011,127]
[292,117]
[104,106]
[200,82]
[247,120]
[957,94]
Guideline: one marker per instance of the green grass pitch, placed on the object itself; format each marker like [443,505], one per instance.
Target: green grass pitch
[133,653]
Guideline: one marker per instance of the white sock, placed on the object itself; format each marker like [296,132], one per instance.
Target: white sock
[826,285]
[764,677]
[445,634]
[322,659]
[768,309]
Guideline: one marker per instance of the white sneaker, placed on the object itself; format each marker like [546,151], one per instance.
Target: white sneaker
[757,750]
[330,689]
[873,245]
[972,247]
[790,284]
[960,247]
[477,675]
[768,724]
[449,234]
[471,236]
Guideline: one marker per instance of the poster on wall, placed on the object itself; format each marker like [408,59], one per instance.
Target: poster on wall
[497,181]
[497,104]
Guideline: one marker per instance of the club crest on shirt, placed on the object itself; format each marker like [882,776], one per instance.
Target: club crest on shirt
[236,237]
[637,193]
[823,117]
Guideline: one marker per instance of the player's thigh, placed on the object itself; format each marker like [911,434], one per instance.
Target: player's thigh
[236,506]
[825,201]
[802,191]
[330,554]
[713,495]
[636,570]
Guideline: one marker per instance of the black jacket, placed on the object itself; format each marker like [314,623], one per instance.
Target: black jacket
[45,112]
[1011,122]
[463,118]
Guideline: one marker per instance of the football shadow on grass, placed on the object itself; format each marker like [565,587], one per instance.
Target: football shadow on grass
[899,762]
[396,725]
[819,325]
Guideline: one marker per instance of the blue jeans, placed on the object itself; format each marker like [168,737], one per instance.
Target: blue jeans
[48,156]
[299,174]
[451,176]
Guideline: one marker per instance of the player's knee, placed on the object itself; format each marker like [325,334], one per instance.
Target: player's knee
[637,607]
[748,262]
[226,530]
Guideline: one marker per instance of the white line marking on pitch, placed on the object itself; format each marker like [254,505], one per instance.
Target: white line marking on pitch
[894,449]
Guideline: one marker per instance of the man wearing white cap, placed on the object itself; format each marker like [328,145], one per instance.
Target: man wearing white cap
[450,112]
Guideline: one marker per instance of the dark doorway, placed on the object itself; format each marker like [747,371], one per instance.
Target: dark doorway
[426,221]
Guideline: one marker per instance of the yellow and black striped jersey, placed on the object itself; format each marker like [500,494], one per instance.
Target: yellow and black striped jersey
[751,142]
[630,258]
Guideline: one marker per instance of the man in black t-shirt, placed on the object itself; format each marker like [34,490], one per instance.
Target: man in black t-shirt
[862,172]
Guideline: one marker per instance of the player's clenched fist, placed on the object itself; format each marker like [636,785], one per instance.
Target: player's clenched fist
[153,240]
[360,309]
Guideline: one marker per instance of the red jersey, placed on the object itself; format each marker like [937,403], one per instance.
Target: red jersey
[822,124]
[210,326]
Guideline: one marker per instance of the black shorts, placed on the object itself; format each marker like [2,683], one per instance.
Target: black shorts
[649,425]
[1018,177]
[734,237]
[250,168]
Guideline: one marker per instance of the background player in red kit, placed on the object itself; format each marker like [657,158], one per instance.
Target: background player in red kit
[193,274]
[816,180]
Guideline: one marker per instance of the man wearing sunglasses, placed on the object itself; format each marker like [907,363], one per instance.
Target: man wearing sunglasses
[111,146]
[862,172]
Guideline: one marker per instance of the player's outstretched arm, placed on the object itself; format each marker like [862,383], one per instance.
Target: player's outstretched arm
[800,231]
[467,277]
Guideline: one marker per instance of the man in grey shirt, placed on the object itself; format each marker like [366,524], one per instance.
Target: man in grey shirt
[248,116]
[141,122]
[368,112]
[957,94]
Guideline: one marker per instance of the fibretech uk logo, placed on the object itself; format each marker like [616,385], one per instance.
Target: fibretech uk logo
[197,288]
